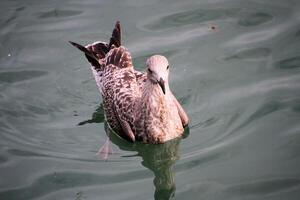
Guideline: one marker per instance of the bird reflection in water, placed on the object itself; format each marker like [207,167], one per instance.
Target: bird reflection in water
[159,158]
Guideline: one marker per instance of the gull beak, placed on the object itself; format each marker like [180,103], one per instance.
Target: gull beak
[161,83]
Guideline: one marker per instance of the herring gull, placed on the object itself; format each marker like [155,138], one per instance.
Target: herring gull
[139,106]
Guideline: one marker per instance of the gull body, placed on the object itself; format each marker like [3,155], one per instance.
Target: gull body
[139,106]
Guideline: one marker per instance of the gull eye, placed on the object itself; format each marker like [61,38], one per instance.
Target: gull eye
[168,67]
[149,70]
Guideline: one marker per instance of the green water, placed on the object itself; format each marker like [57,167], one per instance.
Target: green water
[235,67]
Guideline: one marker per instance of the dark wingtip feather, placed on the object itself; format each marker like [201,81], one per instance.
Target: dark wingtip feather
[76,45]
[116,36]
[84,50]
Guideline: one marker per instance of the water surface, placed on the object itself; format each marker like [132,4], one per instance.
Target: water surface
[235,67]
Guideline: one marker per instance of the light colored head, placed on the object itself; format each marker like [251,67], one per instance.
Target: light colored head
[158,70]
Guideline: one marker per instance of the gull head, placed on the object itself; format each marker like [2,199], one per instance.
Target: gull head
[158,71]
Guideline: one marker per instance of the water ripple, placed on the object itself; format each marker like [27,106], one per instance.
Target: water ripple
[18,76]
[250,54]
[261,87]
[265,109]
[250,189]
[64,180]
[154,43]
[3,159]
[289,63]
[265,187]
[255,36]
[201,157]
[59,13]
[14,16]
[255,19]
[190,17]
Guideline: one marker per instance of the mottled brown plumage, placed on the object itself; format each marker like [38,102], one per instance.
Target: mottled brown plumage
[138,106]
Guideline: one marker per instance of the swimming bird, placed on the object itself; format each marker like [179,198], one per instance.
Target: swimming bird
[139,106]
